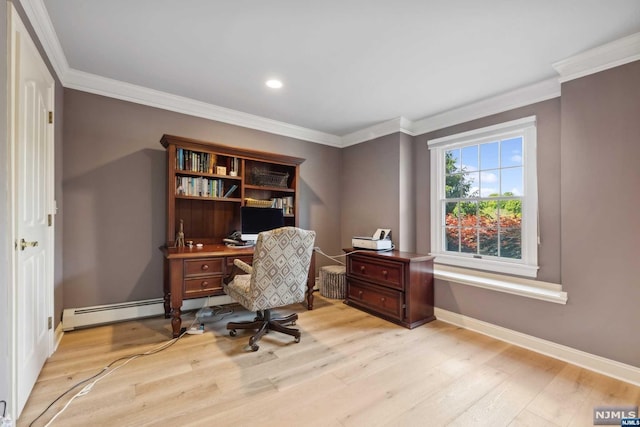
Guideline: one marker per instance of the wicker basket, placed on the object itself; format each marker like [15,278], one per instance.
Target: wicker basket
[332,281]
[256,203]
[265,178]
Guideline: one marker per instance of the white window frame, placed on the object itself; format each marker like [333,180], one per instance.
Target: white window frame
[528,265]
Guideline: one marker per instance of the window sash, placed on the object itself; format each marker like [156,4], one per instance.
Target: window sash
[527,264]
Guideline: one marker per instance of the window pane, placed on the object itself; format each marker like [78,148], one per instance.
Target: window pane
[511,182]
[451,213]
[488,214]
[511,152]
[509,212]
[455,186]
[469,162]
[468,213]
[490,183]
[488,241]
[452,237]
[468,240]
[511,243]
[489,156]
[452,161]
[470,184]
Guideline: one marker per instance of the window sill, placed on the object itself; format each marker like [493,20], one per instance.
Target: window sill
[544,291]
[497,267]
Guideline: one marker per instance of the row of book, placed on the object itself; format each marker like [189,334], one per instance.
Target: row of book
[196,161]
[203,187]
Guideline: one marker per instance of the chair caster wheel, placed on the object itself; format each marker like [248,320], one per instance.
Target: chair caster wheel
[296,339]
[251,347]
[293,323]
[233,332]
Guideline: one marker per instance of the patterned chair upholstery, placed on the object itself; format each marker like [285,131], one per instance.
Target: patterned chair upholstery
[277,277]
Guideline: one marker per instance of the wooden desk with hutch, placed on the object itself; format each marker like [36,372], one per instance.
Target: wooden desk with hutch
[207,184]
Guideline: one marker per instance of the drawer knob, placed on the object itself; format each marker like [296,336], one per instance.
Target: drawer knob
[205,266]
[385,273]
[382,299]
[362,269]
[204,284]
[360,294]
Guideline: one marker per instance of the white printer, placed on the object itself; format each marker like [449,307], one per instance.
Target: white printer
[380,241]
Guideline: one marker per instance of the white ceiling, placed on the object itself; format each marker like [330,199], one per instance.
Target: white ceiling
[346,64]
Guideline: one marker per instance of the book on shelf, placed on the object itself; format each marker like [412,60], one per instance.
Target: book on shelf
[199,186]
[195,161]
[230,190]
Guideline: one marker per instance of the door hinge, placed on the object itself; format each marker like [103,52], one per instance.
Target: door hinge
[50,220]
[50,322]
[50,117]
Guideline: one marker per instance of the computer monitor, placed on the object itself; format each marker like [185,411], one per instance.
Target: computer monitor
[255,220]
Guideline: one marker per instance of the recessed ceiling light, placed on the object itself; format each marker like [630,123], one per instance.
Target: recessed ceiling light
[274,84]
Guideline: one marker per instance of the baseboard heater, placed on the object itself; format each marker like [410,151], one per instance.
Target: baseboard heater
[74,318]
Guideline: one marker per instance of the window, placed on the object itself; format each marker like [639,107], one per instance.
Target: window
[484,198]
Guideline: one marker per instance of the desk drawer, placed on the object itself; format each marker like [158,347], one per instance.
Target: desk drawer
[382,300]
[387,273]
[205,285]
[204,266]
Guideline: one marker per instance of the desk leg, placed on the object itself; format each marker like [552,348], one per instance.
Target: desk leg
[166,286]
[311,281]
[176,322]
[175,284]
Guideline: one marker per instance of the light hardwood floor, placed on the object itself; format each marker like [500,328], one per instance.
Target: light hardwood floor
[350,369]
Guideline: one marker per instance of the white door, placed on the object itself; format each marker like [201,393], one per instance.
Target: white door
[32,95]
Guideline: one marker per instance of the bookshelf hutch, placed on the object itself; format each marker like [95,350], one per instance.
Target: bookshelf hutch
[207,183]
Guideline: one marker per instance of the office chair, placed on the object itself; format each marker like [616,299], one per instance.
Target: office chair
[276,278]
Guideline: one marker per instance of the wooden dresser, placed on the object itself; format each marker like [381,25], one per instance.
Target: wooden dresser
[396,286]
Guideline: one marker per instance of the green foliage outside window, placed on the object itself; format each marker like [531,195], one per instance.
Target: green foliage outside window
[482,227]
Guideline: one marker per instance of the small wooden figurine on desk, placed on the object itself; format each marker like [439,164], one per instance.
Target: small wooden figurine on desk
[180,237]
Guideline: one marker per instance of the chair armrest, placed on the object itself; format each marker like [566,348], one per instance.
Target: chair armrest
[243,266]
[239,267]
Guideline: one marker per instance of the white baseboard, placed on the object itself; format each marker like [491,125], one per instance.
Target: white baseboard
[611,368]
[73,318]
[58,334]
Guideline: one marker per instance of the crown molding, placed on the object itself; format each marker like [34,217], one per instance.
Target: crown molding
[41,23]
[537,92]
[92,83]
[614,54]
[610,55]
[399,124]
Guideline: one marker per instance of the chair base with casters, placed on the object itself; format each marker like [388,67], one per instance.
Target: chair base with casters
[264,323]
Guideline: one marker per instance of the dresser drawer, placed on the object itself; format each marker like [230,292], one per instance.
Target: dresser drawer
[204,266]
[381,300]
[204,285]
[385,272]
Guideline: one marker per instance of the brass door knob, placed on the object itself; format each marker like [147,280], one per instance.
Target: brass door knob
[24,244]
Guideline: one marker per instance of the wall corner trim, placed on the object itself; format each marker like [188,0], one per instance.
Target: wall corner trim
[611,368]
[614,54]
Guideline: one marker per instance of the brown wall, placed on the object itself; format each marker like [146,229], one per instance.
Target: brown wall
[369,184]
[601,212]
[114,193]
